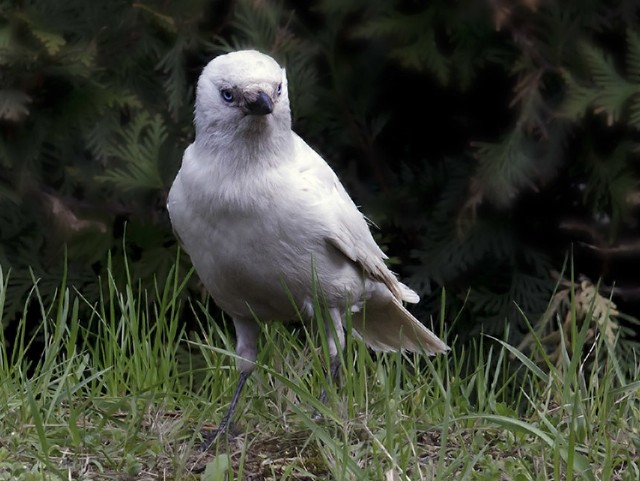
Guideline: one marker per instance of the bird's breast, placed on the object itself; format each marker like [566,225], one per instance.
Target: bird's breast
[258,249]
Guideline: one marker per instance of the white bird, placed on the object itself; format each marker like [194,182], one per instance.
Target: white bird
[265,219]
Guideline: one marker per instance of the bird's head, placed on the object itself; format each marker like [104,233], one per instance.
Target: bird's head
[241,92]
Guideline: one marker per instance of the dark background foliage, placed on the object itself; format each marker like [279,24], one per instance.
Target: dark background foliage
[489,140]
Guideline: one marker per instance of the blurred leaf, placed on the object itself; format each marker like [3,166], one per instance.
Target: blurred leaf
[217,469]
[139,150]
[52,41]
[13,105]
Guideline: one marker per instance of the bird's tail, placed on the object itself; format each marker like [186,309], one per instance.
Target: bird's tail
[390,327]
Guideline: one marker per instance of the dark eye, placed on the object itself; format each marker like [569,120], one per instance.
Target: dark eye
[227,95]
[279,89]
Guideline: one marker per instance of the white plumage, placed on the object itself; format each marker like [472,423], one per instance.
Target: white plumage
[260,213]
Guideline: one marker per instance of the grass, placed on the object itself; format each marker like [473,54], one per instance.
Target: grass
[125,392]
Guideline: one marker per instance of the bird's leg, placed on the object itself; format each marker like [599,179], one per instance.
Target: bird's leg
[335,341]
[247,348]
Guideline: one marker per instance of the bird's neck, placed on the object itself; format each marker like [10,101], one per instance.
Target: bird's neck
[259,144]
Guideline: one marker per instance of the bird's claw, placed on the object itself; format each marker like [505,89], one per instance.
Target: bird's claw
[209,438]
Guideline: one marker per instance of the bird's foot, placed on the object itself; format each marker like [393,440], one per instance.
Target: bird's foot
[211,437]
[324,399]
[225,429]
[332,377]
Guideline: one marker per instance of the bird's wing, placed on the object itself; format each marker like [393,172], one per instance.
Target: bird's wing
[342,223]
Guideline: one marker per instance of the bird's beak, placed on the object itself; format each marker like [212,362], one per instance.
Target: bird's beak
[261,104]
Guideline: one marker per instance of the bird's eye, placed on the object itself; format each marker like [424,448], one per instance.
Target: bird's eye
[279,89]
[226,95]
